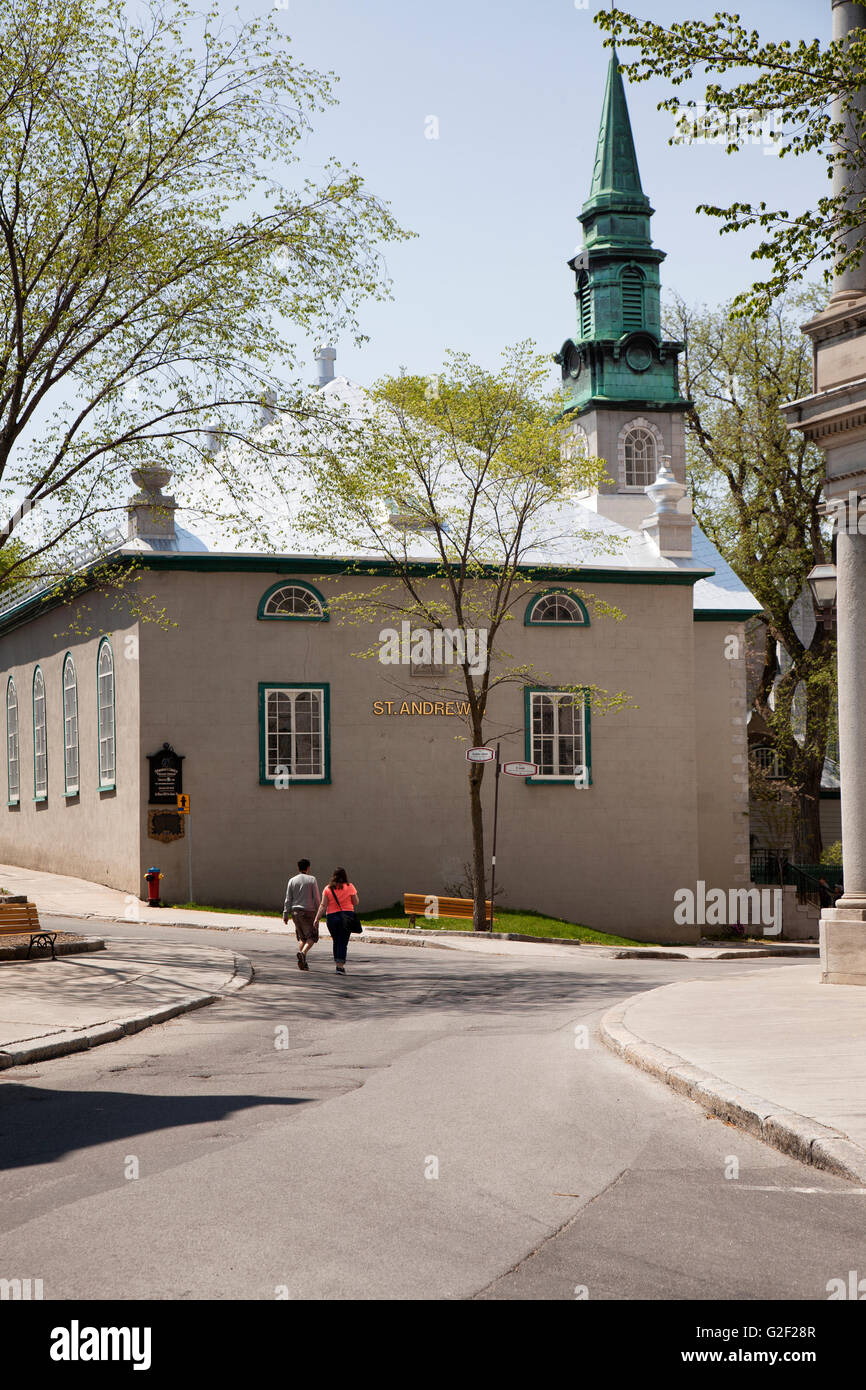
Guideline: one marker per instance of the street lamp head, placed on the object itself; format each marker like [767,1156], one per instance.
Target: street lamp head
[822,581]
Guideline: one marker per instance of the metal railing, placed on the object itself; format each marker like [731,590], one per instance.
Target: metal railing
[806,878]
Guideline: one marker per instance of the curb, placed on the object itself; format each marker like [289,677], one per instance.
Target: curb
[421,937]
[61,948]
[82,1039]
[797,950]
[792,1134]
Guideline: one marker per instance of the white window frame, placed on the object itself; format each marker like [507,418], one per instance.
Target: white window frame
[71,751]
[13,745]
[633,425]
[314,609]
[106,727]
[40,737]
[274,764]
[567,600]
[534,739]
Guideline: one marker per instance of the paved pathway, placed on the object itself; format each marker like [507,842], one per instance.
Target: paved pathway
[50,1007]
[781,1036]
[429,1126]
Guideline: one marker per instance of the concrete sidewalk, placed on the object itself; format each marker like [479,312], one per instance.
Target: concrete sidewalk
[58,895]
[52,1007]
[777,1054]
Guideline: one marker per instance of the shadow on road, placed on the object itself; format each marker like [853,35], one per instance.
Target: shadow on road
[84,1119]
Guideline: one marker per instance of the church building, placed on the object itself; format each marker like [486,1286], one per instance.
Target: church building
[253,705]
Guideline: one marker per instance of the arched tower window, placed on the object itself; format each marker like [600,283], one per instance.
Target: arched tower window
[105,715]
[632,283]
[640,457]
[13,756]
[70,726]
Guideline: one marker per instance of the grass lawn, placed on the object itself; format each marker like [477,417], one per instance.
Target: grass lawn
[526,923]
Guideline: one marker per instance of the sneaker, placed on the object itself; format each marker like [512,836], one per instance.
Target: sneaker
[341,969]
[302,961]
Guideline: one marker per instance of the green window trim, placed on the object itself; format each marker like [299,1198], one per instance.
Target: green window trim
[325,688]
[288,583]
[106,786]
[540,780]
[13,800]
[37,795]
[529,621]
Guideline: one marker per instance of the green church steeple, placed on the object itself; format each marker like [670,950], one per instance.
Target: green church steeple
[615,173]
[617,354]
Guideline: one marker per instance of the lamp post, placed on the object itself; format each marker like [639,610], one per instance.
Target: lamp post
[822,580]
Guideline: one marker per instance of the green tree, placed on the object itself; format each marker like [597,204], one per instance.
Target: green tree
[156,259]
[809,91]
[455,481]
[756,490]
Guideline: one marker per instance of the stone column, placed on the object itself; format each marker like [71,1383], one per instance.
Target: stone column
[849,15]
[843,928]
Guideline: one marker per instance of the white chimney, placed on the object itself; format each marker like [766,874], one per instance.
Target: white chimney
[267,414]
[325,359]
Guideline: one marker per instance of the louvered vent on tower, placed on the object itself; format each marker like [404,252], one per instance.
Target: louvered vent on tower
[585,311]
[632,299]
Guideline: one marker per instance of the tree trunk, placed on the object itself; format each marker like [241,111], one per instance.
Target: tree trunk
[476,775]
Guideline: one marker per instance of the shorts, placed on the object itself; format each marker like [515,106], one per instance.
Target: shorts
[306,926]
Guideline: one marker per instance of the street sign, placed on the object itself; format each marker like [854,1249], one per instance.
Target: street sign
[183,803]
[480,755]
[520,769]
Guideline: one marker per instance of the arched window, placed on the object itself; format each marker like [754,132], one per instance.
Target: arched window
[767,760]
[105,715]
[556,607]
[70,726]
[640,458]
[631,283]
[296,601]
[574,443]
[13,757]
[40,738]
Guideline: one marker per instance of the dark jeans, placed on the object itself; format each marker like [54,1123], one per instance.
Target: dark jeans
[338,926]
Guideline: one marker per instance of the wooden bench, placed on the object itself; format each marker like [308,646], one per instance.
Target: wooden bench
[430,905]
[18,917]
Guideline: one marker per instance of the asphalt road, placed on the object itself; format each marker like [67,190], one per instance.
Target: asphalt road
[428,1126]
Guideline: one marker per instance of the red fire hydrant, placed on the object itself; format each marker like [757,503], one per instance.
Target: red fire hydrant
[152,878]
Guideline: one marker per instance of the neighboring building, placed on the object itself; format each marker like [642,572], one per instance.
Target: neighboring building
[255,677]
[770,835]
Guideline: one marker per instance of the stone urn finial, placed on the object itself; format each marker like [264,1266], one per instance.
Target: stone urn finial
[665,493]
[151,513]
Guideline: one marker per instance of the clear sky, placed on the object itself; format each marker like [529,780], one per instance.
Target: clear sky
[516,88]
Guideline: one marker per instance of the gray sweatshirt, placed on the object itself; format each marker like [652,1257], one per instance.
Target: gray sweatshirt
[302,891]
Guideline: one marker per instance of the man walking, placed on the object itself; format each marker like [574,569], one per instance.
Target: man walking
[302,901]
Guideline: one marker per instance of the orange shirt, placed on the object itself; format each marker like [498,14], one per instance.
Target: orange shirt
[342,896]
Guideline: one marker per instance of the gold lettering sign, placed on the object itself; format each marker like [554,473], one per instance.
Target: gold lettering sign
[422,708]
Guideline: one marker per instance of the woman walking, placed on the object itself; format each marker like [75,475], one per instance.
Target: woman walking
[338,906]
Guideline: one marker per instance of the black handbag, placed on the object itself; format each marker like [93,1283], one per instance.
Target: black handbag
[352,919]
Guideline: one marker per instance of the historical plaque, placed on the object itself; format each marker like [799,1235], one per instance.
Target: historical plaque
[166,776]
[165,826]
